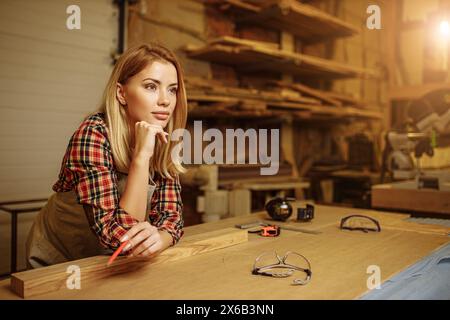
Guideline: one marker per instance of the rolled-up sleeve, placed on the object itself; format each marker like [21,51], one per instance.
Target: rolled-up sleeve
[166,207]
[90,160]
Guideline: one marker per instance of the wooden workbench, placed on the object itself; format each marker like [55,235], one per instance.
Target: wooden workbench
[339,262]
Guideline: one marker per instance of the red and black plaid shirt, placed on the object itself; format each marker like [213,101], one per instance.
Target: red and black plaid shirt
[88,168]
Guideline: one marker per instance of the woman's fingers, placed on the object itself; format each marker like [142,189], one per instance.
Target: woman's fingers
[160,132]
[145,138]
[145,245]
[137,239]
[137,234]
[143,240]
[133,231]
[157,129]
[163,136]
[152,250]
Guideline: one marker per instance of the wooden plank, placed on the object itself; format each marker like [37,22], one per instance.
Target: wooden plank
[345,98]
[260,58]
[201,82]
[364,113]
[212,98]
[207,112]
[295,96]
[205,87]
[321,95]
[328,110]
[252,105]
[405,196]
[227,40]
[53,278]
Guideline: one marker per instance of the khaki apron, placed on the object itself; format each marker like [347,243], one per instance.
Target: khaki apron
[61,230]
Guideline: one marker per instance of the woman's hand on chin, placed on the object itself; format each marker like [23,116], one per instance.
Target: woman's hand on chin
[144,135]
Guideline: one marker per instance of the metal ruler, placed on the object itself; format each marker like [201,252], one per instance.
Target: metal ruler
[263,223]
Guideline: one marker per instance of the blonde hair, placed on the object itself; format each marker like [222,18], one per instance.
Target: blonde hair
[130,63]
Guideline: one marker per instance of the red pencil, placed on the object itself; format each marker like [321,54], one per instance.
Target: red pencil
[116,253]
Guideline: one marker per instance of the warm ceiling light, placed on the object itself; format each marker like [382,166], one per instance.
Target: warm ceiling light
[444,28]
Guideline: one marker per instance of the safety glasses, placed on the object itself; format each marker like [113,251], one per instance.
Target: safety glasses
[360,223]
[272,265]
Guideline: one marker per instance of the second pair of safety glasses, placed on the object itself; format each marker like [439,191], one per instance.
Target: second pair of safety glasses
[272,265]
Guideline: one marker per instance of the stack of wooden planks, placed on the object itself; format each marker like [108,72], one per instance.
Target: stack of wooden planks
[324,97]
[210,96]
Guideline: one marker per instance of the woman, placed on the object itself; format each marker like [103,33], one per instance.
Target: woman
[117,176]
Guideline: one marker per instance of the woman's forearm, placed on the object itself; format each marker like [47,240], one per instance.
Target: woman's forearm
[134,197]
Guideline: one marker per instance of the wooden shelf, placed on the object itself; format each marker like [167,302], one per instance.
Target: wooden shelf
[302,20]
[330,111]
[252,56]
[275,108]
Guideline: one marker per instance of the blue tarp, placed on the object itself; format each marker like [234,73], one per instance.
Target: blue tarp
[427,279]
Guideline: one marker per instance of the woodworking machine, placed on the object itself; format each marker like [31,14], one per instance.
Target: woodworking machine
[428,116]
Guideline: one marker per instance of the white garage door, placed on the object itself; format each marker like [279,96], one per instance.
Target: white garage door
[50,78]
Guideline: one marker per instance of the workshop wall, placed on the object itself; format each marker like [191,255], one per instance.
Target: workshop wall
[173,24]
[177,22]
[365,49]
